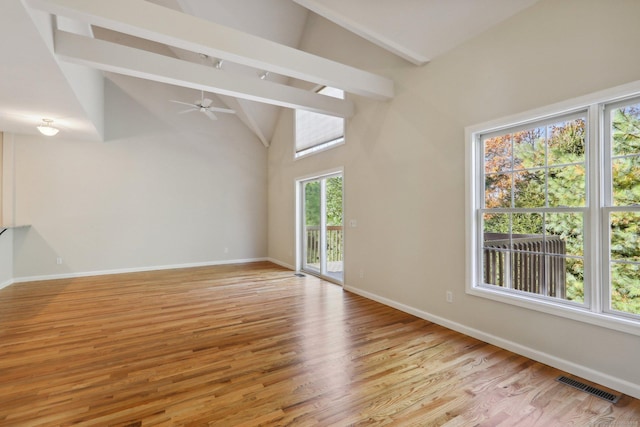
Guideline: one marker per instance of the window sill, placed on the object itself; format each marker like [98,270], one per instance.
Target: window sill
[579,314]
[318,149]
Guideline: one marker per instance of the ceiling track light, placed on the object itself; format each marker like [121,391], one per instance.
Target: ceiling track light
[47,129]
[263,75]
[217,63]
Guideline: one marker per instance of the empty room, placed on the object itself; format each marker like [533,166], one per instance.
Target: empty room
[319,213]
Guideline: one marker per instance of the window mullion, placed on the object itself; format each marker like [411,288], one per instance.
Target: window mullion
[593,241]
[480,204]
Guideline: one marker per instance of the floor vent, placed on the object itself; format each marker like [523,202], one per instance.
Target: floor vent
[299,275]
[609,397]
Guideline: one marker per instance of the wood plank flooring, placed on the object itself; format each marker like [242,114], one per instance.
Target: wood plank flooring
[254,345]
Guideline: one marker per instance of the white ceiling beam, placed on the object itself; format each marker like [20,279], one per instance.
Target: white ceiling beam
[163,25]
[363,31]
[125,60]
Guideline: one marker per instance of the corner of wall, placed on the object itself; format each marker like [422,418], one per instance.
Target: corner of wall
[6,258]
[6,238]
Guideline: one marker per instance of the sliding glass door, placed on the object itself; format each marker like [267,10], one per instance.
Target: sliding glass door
[322,233]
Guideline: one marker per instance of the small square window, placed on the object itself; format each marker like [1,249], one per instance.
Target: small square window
[316,132]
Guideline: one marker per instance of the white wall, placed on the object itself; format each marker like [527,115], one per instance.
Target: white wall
[156,193]
[405,169]
[6,258]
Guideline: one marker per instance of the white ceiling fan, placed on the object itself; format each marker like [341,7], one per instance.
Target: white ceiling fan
[204,106]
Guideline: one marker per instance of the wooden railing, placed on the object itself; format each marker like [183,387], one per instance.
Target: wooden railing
[536,264]
[335,243]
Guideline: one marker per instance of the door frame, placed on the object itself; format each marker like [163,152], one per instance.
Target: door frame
[299,221]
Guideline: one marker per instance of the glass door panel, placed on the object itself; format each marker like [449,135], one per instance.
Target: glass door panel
[322,231]
[311,230]
[334,231]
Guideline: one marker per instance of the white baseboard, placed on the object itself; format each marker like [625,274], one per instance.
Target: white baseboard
[5,284]
[606,380]
[281,264]
[133,270]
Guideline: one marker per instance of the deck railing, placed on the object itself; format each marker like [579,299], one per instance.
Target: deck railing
[536,263]
[335,243]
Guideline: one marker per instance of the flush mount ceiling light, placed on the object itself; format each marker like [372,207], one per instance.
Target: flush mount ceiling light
[46,129]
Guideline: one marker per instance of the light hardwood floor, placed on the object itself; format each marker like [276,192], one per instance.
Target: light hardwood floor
[249,345]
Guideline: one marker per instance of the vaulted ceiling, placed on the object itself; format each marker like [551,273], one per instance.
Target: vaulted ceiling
[55,54]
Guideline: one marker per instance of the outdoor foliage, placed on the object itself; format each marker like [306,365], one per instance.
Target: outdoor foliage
[312,203]
[544,167]
[625,226]
[334,236]
[334,202]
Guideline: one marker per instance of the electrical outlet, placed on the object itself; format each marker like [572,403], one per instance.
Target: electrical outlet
[59,260]
[449,296]
[362,274]
[226,250]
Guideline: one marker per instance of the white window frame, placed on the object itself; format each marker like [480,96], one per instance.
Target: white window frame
[324,146]
[299,220]
[608,206]
[594,310]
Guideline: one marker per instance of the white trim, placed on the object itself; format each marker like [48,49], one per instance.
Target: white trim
[593,246]
[314,175]
[471,204]
[135,270]
[317,149]
[297,246]
[619,384]
[568,311]
[5,284]
[621,92]
[281,263]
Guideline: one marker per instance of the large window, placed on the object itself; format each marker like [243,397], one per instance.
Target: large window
[555,211]
[534,207]
[317,132]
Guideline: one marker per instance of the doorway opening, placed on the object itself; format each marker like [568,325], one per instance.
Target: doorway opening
[321,233]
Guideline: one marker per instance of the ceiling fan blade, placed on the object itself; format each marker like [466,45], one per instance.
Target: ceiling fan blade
[222,110]
[183,103]
[190,110]
[206,102]
[210,115]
